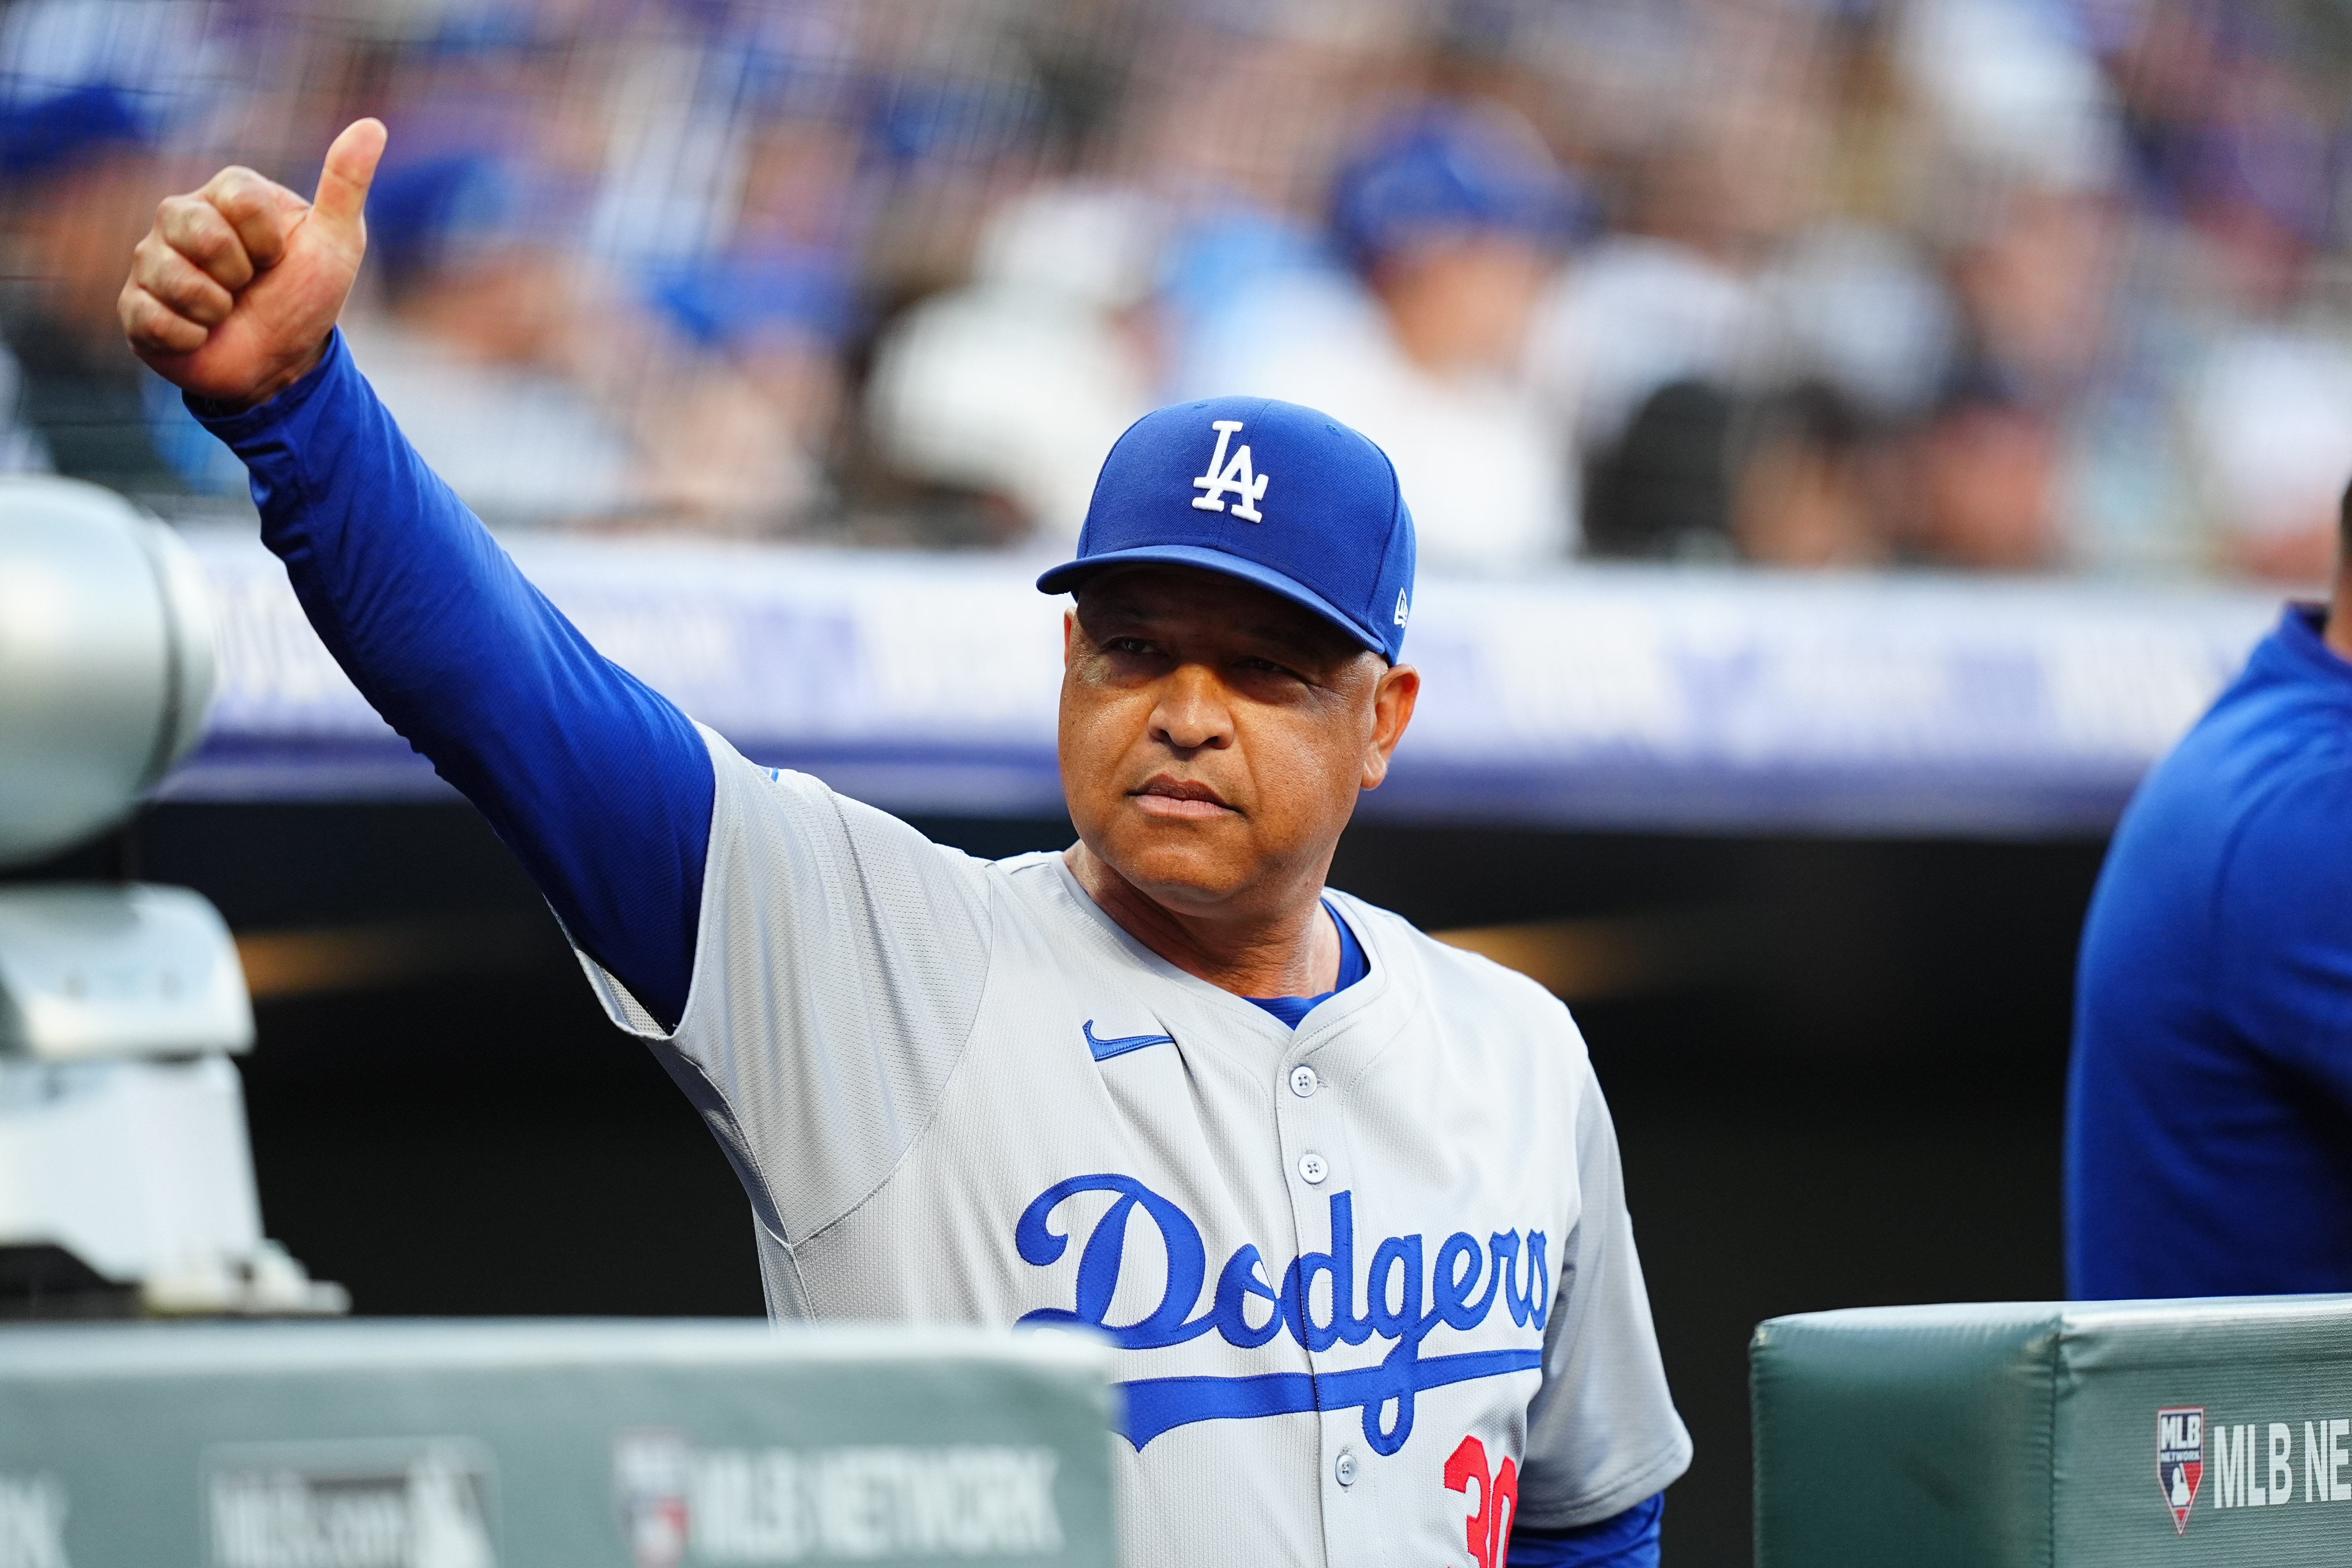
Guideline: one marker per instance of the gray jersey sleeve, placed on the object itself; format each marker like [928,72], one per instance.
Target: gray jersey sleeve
[1603,1433]
[839,962]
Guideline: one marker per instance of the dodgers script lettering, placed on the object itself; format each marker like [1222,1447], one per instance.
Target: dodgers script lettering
[1404,1302]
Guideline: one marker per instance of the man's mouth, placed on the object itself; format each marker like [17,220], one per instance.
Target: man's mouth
[1182,799]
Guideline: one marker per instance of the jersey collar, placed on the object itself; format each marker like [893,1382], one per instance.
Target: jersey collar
[1329,1037]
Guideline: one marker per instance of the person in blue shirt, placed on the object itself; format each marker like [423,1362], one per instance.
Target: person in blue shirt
[599,785]
[2208,1123]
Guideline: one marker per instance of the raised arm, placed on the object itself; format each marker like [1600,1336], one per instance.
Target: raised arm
[599,785]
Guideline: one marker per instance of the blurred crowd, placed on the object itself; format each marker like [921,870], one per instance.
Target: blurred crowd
[1986,284]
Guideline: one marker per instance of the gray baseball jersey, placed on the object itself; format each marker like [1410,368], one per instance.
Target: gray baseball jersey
[1367,1280]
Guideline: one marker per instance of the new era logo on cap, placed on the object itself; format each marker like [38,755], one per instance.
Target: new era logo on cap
[1270,493]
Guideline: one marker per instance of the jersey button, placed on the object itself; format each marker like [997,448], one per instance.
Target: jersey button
[1344,1469]
[1303,1081]
[1312,1169]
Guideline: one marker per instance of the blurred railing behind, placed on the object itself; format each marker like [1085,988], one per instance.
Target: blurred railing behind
[1617,697]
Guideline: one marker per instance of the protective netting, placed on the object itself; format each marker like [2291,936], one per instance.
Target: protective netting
[1982,283]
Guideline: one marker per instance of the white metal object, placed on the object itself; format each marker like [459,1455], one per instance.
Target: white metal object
[105,971]
[123,1135]
[139,1168]
[142,1170]
[105,660]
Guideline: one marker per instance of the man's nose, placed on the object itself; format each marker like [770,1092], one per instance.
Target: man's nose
[1192,712]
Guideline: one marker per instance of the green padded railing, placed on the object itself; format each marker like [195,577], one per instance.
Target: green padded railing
[537,1445]
[2147,1434]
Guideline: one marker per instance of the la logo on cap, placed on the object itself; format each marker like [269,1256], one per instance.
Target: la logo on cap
[1237,478]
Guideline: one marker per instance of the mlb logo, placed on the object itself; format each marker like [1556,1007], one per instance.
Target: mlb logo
[650,1468]
[2180,1459]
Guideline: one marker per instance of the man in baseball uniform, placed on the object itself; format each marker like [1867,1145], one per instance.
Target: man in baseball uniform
[1345,1202]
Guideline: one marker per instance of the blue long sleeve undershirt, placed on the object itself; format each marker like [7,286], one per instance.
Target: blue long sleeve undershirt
[1353,966]
[599,784]
[1627,1539]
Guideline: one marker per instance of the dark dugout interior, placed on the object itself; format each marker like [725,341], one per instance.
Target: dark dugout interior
[1837,1067]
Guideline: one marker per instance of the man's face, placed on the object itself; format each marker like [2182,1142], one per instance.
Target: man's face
[1462,304]
[1215,736]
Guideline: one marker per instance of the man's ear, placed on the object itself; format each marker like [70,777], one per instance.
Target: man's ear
[1393,705]
[1069,634]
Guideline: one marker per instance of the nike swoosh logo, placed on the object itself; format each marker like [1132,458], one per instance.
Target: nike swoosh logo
[1106,1049]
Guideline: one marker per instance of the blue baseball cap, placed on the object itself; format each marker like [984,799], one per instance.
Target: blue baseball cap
[49,136]
[1272,493]
[1445,167]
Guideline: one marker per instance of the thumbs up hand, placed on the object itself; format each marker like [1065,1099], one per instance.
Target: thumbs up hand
[234,291]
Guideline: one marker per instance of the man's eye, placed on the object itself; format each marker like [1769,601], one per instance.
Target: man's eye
[1130,644]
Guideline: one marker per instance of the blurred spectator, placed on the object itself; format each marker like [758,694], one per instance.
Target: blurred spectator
[1858,308]
[2019,136]
[1989,481]
[1451,217]
[92,95]
[1653,344]
[2236,141]
[470,348]
[1860,336]
[2011,92]
[1645,310]
[1811,487]
[567,338]
[81,181]
[1015,386]
[2273,422]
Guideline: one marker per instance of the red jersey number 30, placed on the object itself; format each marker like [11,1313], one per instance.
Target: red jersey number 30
[1489,1529]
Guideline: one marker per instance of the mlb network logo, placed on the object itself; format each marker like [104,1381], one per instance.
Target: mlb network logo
[2180,1459]
[679,1504]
